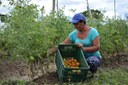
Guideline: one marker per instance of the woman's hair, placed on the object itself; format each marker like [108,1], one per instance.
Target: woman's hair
[82,21]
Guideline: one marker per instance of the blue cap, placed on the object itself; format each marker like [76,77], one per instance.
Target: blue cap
[77,17]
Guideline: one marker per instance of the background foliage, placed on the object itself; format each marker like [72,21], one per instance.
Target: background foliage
[28,34]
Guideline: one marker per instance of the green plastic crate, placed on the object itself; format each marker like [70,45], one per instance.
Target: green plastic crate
[66,74]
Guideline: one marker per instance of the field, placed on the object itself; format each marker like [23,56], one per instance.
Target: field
[112,72]
[28,34]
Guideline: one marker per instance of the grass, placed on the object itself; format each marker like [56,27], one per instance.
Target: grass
[10,82]
[115,76]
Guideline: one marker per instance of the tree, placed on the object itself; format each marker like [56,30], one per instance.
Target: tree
[126,16]
[57,5]
[89,12]
[95,14]
[53,6]
[2,17]
[115,8]
[0,2]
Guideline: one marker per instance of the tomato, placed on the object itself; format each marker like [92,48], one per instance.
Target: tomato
[31,58]
[71,62]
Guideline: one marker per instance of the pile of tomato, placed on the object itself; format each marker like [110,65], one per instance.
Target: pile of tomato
[71,62]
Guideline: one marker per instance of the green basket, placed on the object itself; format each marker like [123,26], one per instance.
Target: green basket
[71,74]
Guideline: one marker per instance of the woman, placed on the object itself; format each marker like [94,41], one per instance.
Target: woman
[88,39]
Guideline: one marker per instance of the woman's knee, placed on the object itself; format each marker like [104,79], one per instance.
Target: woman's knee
[94,63]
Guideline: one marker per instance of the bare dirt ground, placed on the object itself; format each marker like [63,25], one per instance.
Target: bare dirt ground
[18,70]
[13,70]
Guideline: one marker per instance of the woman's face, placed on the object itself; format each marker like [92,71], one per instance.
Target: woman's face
[79,26]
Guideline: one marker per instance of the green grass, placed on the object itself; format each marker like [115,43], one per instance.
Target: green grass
[115,76]
[10,82]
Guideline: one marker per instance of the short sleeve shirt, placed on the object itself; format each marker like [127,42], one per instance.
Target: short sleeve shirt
[87,41]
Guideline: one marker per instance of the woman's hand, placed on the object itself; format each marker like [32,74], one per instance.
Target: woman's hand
[79,45]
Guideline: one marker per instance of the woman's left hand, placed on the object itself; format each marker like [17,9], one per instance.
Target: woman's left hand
[79,45]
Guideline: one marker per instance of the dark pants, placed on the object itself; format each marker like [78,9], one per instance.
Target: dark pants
[94,63]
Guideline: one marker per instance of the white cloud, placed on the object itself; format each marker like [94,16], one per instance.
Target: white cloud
[46,3]
[3,7]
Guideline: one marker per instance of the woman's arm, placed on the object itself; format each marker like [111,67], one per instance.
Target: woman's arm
[95,47]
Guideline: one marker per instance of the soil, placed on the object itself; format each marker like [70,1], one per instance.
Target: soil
[13,70]
[18,70]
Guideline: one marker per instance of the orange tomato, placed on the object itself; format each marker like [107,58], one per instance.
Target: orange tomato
[71,62]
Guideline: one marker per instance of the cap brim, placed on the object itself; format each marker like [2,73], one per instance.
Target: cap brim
[74,21]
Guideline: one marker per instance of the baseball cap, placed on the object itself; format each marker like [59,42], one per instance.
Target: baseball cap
[77,17]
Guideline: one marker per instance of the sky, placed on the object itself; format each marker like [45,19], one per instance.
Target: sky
[81,5]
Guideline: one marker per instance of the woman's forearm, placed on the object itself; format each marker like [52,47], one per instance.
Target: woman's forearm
[91,49]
